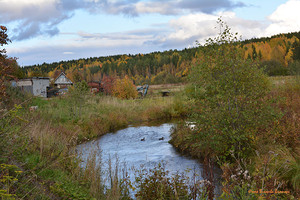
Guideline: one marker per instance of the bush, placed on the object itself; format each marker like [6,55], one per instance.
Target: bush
[230,93]
[294,68]
[274,68]
[124,88]
[157,184]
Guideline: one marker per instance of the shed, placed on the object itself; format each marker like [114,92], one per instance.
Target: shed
[37,86]
[62,81]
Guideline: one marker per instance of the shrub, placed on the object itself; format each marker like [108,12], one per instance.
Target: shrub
[274,68]
[230,94]
[124,88]
[157,184]
[294,68]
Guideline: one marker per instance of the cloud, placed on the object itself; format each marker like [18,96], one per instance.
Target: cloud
[138,34]
[41,17]
[34,18]
[68,53]
[208,6]
[285,18]
[55,51]
[173,7]
[177,34]
[187,29]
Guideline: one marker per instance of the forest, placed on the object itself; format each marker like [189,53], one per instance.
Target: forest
[275,54]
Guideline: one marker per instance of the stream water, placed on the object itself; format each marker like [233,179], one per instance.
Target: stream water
[142,147]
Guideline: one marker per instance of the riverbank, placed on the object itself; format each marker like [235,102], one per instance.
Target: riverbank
[273,160]
[102,114]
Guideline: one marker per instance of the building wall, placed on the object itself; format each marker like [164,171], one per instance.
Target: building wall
[25,85]
[35,86]
[27,89]
[40,87]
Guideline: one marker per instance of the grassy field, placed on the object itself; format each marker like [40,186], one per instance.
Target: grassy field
[101,114]
[155,90]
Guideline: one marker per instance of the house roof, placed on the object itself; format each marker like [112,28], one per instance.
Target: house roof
[67,80]
[31,78]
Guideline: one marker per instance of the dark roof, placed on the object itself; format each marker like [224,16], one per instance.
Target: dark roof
[27,79]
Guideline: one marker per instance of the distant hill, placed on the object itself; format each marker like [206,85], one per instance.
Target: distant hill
[171,66]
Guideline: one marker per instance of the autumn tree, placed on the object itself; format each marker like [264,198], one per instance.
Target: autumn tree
[107,84]
[8,66]
[124,88]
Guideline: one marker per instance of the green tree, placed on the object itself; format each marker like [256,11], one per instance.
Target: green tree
[274,68]
[254,53]
[229,92]
[78,95]
[294,68]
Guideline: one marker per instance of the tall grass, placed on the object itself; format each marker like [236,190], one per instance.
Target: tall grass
[156,183]
[103,114]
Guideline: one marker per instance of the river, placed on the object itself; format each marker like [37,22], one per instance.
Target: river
[142,147]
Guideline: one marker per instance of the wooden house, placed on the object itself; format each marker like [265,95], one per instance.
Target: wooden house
[62,81]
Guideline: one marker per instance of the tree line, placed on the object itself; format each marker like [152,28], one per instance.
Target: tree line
[276,54]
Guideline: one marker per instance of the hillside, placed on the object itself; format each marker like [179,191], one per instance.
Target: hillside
[277,54]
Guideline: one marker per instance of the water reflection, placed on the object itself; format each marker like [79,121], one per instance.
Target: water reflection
[126,144]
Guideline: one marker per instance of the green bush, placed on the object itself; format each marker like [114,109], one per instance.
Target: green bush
[230,95]
[274,68]
[294,68]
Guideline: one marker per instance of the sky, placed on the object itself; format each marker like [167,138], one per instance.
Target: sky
[54,30]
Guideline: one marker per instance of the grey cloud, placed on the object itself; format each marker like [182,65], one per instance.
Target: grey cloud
[125,7]
[167,7]
[33,29]
[208,6]
[37,19]
[27,31]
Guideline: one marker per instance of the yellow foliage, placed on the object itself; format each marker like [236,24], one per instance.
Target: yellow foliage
[124,88]
[289,57]
[51,74]
[278,54]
